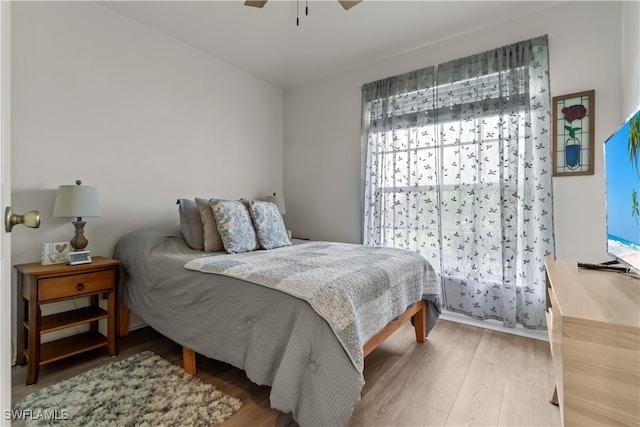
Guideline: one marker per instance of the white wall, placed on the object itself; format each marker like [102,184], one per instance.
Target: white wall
[630,58]
[322,124]
[99,97]
[146,119]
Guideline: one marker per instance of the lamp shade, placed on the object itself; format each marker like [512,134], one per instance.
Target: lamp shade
[76,201]
[279,202]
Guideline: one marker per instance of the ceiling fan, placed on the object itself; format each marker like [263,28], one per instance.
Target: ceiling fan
[260,3]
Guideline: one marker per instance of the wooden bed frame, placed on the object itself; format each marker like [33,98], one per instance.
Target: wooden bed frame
[418,311]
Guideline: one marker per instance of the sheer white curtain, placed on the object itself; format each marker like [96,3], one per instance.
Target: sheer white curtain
[458,168]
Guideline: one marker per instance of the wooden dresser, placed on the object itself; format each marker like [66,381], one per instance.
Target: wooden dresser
[593,319]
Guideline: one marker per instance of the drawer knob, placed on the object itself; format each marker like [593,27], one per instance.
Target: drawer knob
[80,286]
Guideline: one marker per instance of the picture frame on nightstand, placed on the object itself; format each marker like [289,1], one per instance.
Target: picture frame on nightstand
[54,253]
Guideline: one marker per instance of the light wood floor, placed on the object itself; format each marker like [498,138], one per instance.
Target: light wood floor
[462,376]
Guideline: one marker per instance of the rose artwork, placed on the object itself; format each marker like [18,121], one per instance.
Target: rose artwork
[574,112]
[572,144]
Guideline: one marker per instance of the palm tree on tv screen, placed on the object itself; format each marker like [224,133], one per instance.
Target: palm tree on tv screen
[635,209]
[634,153]
[634,141]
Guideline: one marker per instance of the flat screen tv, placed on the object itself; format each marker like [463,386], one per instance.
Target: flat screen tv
[622,180]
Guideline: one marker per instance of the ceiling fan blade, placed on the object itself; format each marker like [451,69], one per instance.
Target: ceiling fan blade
[348,4]
[255,3]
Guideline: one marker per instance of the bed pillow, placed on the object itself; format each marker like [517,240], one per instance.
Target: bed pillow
[234,225]
[191,224]
[269,225]
[211,237]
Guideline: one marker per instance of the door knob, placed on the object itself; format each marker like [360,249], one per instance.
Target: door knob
[30,219]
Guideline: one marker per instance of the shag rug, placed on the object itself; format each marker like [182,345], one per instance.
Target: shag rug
[142,390]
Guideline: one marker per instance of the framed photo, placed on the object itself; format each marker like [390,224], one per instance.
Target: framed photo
[573,133]
[55,253]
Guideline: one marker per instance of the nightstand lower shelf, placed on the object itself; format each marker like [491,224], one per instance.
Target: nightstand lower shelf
[70,346]
[55,322]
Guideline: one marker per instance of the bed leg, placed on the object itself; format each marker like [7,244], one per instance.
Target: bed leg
[123,320]
[420,322]
[189,360]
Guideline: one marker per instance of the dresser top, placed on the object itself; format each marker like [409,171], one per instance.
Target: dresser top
[595,295]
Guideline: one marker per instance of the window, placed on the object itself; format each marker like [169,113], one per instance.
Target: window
[457,169]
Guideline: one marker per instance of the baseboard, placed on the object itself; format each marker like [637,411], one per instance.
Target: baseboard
[137,325]
[136,322]
[494,325]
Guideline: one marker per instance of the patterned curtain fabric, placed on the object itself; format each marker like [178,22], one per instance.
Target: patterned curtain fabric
[458,168]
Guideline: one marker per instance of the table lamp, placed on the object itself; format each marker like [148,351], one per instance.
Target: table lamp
[278,200]
[77,201]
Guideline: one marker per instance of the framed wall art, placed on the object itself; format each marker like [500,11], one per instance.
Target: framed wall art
[55,253]
[573,134]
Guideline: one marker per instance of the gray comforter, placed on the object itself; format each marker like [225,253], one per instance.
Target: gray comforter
[277,339]
[357,289]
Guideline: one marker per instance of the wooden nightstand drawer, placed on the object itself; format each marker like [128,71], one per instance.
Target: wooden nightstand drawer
[74,286]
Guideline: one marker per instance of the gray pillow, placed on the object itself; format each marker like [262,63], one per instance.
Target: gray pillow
[190,224]
[211,237]
[269,225]
[234,225]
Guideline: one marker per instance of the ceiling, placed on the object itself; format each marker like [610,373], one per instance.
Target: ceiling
[266,42]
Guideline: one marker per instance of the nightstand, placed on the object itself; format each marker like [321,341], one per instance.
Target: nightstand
[43,284]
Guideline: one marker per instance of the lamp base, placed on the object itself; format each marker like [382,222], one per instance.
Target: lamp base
[79,242]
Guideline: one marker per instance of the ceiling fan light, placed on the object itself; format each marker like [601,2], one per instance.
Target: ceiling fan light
[255,3]
[348,4]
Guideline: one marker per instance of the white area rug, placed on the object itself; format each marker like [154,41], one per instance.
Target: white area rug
[142,390]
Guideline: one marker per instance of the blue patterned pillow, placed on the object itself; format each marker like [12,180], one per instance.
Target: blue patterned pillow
[269,224]
[234,225]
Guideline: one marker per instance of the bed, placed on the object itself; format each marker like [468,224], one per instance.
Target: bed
[278,339]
